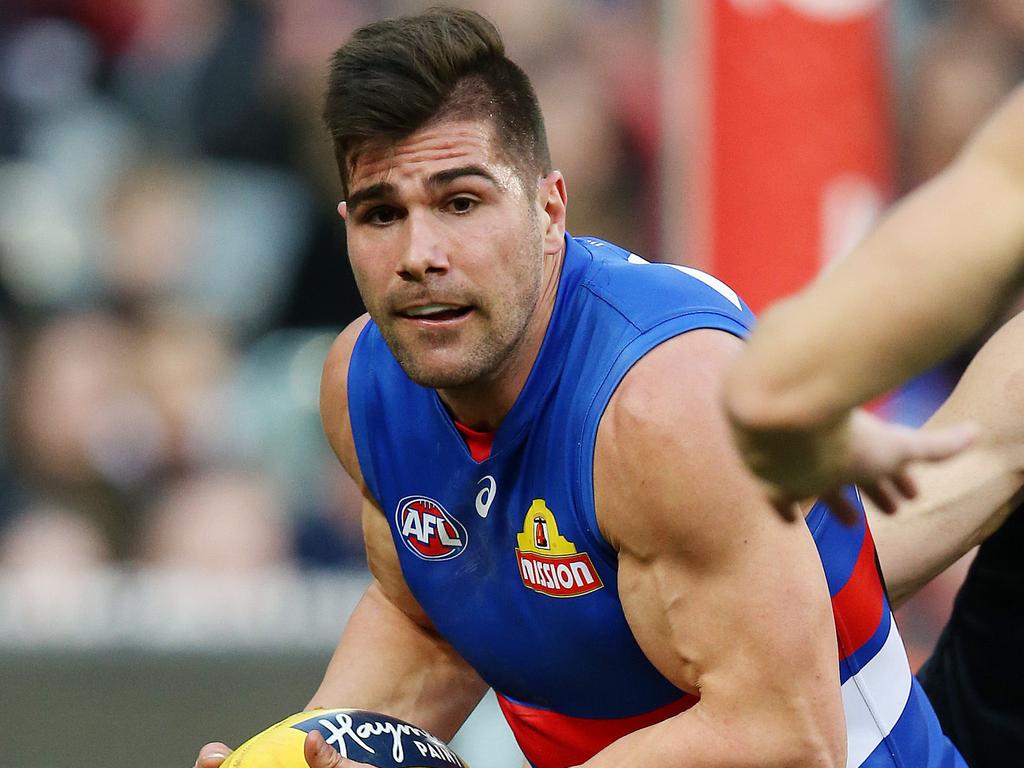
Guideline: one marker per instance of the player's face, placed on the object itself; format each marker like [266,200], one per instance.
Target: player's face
[447,251]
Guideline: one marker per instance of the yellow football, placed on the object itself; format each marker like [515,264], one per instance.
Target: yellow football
[366,737]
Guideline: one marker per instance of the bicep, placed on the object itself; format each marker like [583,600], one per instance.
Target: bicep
[724,597]
[739,630]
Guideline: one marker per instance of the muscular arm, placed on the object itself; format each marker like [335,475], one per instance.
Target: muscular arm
[946,261]
[724,599]
[965,499]
[389,659]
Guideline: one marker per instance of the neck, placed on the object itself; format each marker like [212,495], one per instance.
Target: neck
[483,405]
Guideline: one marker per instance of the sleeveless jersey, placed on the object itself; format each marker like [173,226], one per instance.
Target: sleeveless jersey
[505,555]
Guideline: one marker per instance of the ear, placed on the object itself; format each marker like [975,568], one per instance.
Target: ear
[343,210]
[551,200]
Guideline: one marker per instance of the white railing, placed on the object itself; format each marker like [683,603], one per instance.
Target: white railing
[175,609]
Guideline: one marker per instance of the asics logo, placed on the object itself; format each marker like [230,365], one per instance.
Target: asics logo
[485,497]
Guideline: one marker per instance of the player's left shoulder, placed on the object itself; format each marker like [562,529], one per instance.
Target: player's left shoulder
[678,381]
[647,292]
[663,448]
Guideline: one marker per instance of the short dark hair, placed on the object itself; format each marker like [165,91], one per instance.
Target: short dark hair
[395,76]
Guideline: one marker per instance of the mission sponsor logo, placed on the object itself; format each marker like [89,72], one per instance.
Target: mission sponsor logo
[428,529]
[548,562]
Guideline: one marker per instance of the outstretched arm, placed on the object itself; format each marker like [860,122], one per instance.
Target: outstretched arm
[964,500]
[945,262]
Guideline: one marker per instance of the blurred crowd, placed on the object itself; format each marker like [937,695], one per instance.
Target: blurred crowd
[172,269]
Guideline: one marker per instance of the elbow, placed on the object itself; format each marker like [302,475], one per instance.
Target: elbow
[797,752]
[804,738]
[815,743]
[817,754]
[803,751]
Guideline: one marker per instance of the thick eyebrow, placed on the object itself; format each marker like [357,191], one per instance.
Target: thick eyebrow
[382,189]
[440,179]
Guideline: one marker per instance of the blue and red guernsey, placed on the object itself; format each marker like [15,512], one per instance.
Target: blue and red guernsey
[501,546]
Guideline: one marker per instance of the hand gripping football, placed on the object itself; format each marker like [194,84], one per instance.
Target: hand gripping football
[366,737]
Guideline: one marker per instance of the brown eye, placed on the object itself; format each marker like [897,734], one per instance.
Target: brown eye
[381,215]
[462,204]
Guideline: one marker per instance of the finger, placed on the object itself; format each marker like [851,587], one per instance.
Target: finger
[841,507]
[782,502]
[319,754]
[881,496]
[942,443]
[212,755]
[886,486]
[787,510]
[904,485]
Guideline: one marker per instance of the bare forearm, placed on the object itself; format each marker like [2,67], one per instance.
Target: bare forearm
[387,663]
[963,501]
[702,739]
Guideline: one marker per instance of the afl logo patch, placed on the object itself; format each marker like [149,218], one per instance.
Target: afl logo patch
[428,530]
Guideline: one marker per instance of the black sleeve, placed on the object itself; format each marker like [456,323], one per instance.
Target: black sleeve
[975,677]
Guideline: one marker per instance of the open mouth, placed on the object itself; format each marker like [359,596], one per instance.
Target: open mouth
[436,312]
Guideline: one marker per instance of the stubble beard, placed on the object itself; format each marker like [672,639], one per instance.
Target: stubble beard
[506,324]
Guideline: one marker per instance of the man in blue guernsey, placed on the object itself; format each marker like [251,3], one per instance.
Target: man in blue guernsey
[553,505]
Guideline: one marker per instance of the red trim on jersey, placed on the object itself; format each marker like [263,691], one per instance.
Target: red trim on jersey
[859,604]
[479,443]
[552,740]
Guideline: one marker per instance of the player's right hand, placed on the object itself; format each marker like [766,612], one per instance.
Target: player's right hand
[316,751]
[319,754]
[212,755]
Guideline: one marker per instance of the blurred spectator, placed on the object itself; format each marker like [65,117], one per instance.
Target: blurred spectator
[217,522]
[50,555]
[216,239]
[191,73]
[83,436]
[183,367]
[52,540]
[969,61]
[333,534]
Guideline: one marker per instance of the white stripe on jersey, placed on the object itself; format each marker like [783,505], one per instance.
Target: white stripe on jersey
[875,697]
[709,280]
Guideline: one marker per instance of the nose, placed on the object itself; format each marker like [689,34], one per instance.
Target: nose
[424,251]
